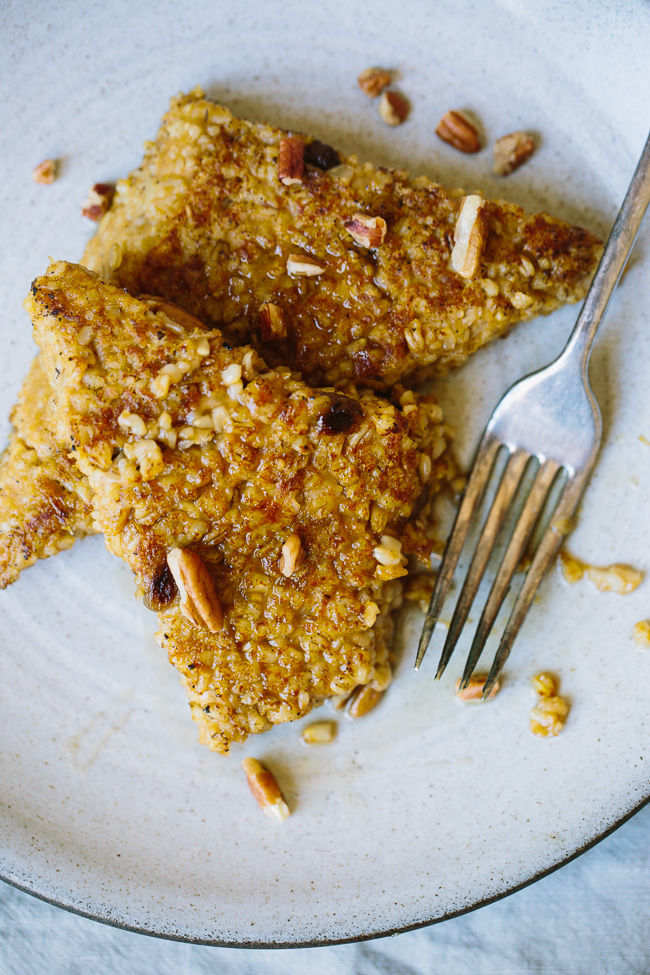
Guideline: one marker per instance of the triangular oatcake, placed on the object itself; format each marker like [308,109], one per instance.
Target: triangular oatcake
[370,276]
[267,521]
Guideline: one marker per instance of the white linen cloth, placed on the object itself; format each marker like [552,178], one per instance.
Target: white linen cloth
[592,916]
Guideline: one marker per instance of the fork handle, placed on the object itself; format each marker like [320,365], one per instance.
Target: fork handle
[620,243]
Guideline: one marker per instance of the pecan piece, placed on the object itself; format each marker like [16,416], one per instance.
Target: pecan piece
[457,129]
[302,265]
[46,171]
[272,322]
[289,556]
[264,786]
[372,81]
[511,151]
[291,160]
[365,230]
[199,602]
[474,690]
[98,201]
[393,108]
[319,733]
[469,237]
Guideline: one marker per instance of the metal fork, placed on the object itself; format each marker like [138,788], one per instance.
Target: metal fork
[549,420]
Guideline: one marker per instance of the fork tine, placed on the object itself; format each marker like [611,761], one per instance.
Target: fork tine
[516,546]
[481,470]
[547,548]
[510,480]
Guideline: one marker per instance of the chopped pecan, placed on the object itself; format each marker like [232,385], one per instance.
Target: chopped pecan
[372,81]
[319,733]
[291,163]
[302,265]
[457,129]
[393,108]
[266,790]
[199,602]
[474,690]
[46,171]
[272,322]
[98,201]
[511,151]
[290,555]
[469,237]
[366,230]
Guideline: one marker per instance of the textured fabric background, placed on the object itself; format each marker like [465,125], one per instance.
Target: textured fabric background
[591,917]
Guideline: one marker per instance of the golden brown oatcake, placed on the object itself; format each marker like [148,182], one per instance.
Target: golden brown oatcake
[206,222]
[44,499]
[190,444]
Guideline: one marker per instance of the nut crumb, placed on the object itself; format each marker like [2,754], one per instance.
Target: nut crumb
[319,733]
[199,602]
[266,790]
[545,684]
[512,151]
[364,700]
[548,718]
[642,633]
[458,130]
[46,171]
[98,201]
[372,81]
[302,265]
[469,237]
[617,578]
[393,108]
[291,160]
[366,230]
[474,690]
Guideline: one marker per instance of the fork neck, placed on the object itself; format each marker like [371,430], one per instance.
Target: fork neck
[619,245]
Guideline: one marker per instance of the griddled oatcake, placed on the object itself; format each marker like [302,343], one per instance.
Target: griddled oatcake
[206,221]
[44,499]
[286,512]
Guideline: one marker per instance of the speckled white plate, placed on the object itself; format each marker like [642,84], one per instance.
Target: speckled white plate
[425,808]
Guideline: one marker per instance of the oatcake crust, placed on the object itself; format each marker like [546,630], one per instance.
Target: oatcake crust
[188,443]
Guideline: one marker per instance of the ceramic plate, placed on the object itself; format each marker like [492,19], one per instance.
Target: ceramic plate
[424,808]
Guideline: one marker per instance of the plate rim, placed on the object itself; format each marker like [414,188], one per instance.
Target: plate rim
[331,942]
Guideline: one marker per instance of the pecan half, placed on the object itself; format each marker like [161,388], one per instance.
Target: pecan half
[457,129]
[46,171]
[511,151]
[393,108]
[291,160]
[372,81]
[469,237]
[199,602]
[367,231]
[264,786]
